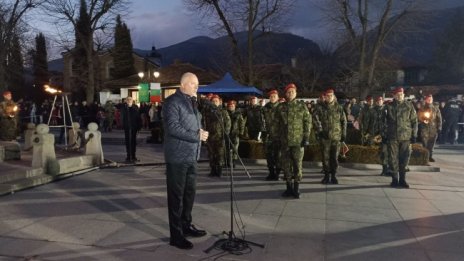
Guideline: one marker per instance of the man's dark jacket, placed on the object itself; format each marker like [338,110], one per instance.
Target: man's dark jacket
[182,127]
[131,118]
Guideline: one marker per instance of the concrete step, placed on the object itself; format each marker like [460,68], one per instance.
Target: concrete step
[20,174]
[24,183]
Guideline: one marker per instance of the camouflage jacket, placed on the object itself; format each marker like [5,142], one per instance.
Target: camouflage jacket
[237,124]
[294,123]
[430,120]
[374,125]
[330,120]
[399,121]
[215,120]
[364,118]
[271,123]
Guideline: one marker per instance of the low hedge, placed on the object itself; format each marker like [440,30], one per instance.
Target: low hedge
[357,154]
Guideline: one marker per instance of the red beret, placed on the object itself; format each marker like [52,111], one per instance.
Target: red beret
[252,97]
[379,98]
[368,98]
[209,95]
[330,90]
[290,86]
[272,92]
[231,102]
[215,96]
[428,96]
[5,93]
[398,90]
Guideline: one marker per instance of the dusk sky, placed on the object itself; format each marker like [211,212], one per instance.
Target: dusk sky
[167,22]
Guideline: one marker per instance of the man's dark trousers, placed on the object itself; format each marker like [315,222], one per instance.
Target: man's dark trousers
[180,179]
[131,140]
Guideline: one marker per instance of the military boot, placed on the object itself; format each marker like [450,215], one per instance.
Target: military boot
[277,173]
[326,179]
[402,183]
[296,189]
[333,178]
[212,172]
[219,171]
[394,182]
[384,170]
[271,174]
[289,191]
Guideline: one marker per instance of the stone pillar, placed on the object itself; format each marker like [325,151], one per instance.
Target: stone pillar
[75,137]
[93,145]
[43,146]
[28,133]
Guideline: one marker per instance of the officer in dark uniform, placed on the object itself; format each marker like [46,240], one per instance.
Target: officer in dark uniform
[374,132]
[254,119]
[452,112]
[272,139]
[364,120]
[400,130]
[131,123]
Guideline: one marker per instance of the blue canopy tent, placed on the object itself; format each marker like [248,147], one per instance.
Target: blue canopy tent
[227,85]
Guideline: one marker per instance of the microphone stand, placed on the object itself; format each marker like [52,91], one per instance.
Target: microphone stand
[232,244]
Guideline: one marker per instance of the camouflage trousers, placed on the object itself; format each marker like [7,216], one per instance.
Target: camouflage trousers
[292,163]
[216,152]
[330,150]
[398,156]
[273,153]
[428,141]
[8,128]
[235,142]
[383,151]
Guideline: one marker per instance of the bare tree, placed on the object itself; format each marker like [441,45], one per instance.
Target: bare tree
[11,15]
[101,14]
[256,17]
[365,26]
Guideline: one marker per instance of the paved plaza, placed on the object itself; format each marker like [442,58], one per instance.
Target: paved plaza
[121,214]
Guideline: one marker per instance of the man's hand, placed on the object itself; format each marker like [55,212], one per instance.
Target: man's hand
[203,135]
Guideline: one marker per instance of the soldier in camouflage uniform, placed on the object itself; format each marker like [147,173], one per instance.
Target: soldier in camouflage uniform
[400,130]
[254,119]
[237,128]
[374,132]
[364,120]
[109,115]
[272,138]
[294,124]
[331,129]
[217,123]
[429,124]
[8,118]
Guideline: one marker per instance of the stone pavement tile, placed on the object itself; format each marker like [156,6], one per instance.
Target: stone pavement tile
[348,236]
[68,230]
[402,193]
[299,227]
[374,190]
[312,193]
[440,239]
[380,252]
[441,256]
[457,219]
[287,247]
[379,201]
[448,206]
[413,204]
[417,218]
[12,223]
[3,258]
[304,209]
[138,236]
[442,195]
[46,250]
[362,214]
[270,207]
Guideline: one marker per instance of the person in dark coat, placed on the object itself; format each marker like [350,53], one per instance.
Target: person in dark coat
[182,143]
[131,123]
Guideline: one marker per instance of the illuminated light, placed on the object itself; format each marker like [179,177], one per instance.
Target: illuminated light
[51,90]
[427,114]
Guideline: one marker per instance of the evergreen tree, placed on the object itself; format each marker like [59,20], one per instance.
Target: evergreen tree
[122,51]
[448,62]
[39,67]
[15,69]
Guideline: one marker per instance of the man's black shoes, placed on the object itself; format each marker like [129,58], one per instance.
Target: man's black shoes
[181,243]
[193,231]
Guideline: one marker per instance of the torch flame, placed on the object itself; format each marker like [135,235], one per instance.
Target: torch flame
[15,108]
[51,90]
[427,114]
